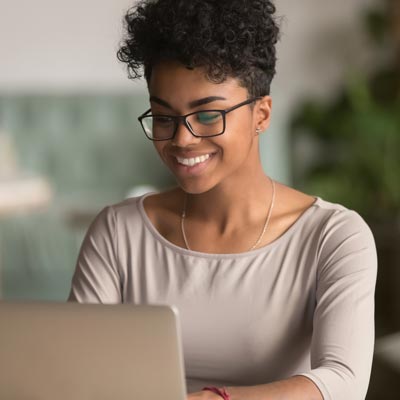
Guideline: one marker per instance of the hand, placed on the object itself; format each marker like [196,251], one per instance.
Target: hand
[203,395]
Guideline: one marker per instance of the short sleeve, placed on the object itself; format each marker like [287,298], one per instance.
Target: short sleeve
[343,327]
[96,278]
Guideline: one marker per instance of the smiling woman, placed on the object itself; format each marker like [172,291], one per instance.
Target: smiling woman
[230,143]
[275,287]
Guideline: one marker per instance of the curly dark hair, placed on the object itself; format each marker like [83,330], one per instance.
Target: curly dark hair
[228,38]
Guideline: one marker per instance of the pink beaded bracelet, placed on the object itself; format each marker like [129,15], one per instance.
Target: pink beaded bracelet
[221,392]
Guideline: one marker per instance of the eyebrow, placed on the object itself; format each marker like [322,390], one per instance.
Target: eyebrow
[192,104]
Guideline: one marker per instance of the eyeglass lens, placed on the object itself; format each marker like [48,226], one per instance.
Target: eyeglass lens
[202,123]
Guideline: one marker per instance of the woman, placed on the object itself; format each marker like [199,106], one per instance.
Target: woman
[274,287]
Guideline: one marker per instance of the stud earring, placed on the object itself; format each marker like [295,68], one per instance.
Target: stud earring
[258,131]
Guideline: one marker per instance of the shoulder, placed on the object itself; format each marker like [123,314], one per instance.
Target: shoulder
[328,218]
[342,222]
[126,206]
[309,214]
[346,243]
[113,217]
[342,240]
[129,218]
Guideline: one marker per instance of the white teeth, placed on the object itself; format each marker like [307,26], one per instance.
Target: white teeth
[190,162]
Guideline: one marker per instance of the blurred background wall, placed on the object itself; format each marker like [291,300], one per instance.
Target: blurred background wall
[70,142]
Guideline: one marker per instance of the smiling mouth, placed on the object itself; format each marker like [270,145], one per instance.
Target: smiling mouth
[191,162]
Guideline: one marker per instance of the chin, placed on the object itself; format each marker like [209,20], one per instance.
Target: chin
[195,187]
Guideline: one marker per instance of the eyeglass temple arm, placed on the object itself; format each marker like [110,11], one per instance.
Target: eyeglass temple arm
[144,114]
[243,104]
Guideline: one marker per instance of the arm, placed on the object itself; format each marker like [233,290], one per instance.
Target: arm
[343,335]
[343,327]
[96,278]
[295,388]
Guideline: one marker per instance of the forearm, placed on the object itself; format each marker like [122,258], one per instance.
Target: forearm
[295,388]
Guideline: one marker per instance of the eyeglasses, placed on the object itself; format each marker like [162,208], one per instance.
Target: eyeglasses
[204,123]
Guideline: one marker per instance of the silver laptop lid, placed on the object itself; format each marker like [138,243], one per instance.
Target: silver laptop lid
[70,351]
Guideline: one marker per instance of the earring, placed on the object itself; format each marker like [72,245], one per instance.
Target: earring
[258,131]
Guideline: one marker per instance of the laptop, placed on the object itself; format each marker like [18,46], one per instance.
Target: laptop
[71,351]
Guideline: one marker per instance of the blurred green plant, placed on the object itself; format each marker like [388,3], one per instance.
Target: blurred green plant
[356,136]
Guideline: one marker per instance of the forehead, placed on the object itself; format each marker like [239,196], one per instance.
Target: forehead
[170,78]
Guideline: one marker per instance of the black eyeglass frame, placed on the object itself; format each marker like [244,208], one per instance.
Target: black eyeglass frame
[183,118]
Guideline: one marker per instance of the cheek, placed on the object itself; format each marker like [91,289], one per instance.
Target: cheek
[240,129]
[237,143]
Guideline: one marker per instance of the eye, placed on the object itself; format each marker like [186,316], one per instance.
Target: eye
[208,117]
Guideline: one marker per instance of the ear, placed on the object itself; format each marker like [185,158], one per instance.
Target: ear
[262,113]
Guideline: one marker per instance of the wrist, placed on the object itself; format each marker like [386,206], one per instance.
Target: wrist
[222,392]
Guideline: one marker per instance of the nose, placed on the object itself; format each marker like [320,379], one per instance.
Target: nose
[183,136]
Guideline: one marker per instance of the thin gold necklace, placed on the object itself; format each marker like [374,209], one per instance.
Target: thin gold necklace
[271,207]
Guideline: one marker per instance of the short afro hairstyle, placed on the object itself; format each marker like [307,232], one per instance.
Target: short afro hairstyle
[228,38]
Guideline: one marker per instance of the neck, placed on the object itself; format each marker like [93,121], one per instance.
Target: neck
[229,206]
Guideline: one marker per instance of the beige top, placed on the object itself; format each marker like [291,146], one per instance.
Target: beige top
[302,305]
